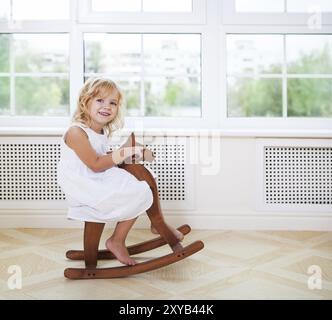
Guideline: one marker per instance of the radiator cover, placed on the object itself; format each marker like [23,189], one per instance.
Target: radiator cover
[28,173]
[294,175]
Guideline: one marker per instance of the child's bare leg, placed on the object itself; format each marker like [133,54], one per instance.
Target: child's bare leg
[172,235]
[177,233]
[116,243]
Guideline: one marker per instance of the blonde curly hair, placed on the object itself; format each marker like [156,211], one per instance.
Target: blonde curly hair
[92,88]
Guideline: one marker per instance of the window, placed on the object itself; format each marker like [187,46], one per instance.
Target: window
[5,10]
[254,75]
[282,6]
[34,10]
[278,62]
[142,5]
[278,12]
[308,5]
[225,64]
[34,78]
[46,54]
[159,73]
[142,11]
[309,73]
[259,6]
[258,70]
[34,61]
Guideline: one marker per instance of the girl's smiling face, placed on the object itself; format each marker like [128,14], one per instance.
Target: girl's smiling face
[103,109]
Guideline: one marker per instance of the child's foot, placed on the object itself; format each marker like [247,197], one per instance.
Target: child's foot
[120,251]
[176,232]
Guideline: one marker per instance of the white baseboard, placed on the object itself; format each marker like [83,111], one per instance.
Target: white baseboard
[198,222]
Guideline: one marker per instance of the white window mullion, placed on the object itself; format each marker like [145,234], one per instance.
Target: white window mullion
[157,75]
[11,10]
[12,76]
[310,76]
[142,88]
[256,75]
[223,78]
[284,81]
[76,57]
[40,74]
[76,73]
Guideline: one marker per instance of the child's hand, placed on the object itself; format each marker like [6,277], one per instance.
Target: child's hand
[127,155]
[135,154]
[148,155]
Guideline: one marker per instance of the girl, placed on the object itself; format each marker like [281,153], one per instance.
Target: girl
[96,188]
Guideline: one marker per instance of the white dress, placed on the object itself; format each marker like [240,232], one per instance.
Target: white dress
[111,195]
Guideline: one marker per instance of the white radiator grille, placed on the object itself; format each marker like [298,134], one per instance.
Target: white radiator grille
[298,175]
[294,175]
[171,173]
[28,173]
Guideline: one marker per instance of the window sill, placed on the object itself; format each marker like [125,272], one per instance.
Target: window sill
[44,131]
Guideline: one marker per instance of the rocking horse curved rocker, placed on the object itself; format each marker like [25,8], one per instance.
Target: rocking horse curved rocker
[93,231]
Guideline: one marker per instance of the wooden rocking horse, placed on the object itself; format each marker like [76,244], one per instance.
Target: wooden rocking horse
[93,231]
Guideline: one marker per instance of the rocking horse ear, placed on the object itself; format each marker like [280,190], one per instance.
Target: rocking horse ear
[132,136]
[133,139]
[148,155]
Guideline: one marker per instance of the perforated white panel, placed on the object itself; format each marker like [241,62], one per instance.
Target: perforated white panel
[171,173]
[28,171]
[298,175]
